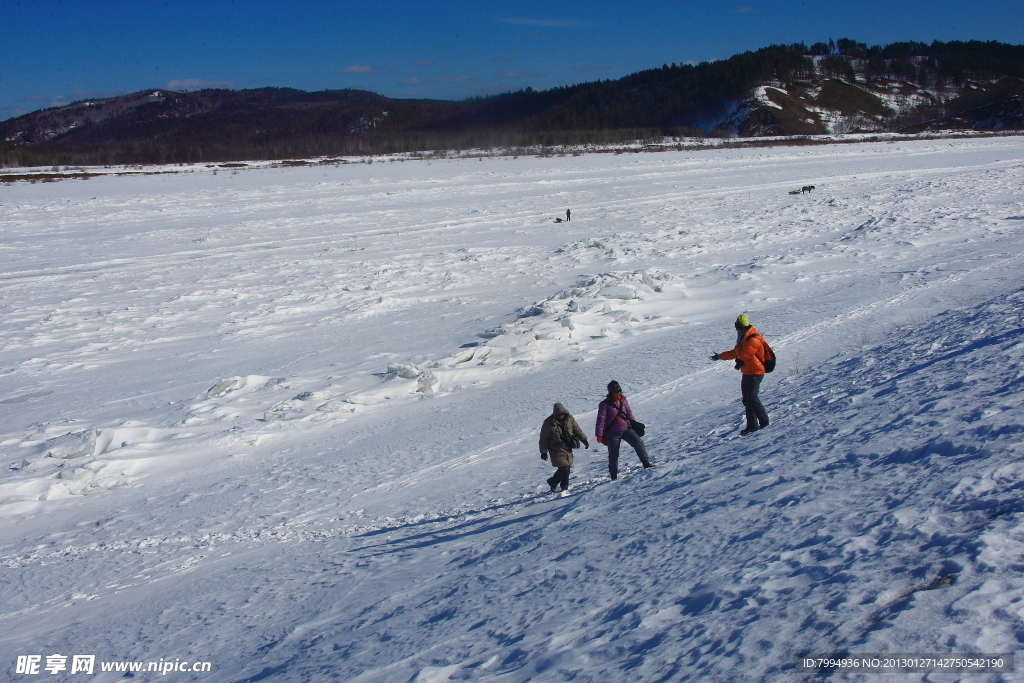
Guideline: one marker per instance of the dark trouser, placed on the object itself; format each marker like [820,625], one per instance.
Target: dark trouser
[614,440]
[756,415]
[561,478]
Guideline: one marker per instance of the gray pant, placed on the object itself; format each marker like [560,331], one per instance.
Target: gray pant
[614,440]
[757,417]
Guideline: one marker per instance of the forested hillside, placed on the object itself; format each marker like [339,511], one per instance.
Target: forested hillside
[835,87]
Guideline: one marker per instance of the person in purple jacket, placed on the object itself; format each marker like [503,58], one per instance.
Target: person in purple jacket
[613,427]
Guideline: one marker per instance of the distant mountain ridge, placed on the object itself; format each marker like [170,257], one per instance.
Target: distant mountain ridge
[837,87]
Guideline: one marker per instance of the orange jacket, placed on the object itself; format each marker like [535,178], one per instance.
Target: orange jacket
[751,351]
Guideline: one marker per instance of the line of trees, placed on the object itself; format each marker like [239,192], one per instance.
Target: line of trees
[315,145]
[955,62]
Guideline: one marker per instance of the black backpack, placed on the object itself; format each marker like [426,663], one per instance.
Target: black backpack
[568,437]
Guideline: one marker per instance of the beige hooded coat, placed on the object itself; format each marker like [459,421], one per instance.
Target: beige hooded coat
[551,436]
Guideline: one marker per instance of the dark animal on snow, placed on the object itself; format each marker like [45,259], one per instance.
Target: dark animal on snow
[806,188]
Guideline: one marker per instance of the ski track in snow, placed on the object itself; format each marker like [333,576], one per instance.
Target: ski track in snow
[285,420]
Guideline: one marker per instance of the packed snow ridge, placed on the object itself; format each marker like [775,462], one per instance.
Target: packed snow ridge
[286,421]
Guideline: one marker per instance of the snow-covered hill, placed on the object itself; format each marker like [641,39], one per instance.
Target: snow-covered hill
[838,106]
[284,420]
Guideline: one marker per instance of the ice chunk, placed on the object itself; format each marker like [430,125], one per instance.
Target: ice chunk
[619,292]
[73,445]
[530,311]
[236,383]
[404,371]
[625,316]
[491,333]
[222,387]
[428,383]
[588,305]
[80,481]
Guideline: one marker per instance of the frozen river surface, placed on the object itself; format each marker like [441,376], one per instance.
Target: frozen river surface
[284,420]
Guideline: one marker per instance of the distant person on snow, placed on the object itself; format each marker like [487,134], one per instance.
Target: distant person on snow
[614,418]
[559,434]
[750,353]
[567,214]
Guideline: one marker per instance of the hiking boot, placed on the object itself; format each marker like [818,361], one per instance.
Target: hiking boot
[613,477]
[648,464]
[748,430]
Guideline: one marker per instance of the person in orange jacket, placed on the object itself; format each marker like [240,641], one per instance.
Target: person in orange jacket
[750,354]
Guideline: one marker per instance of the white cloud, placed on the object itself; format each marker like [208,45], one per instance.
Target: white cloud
[364,69]
[193,84]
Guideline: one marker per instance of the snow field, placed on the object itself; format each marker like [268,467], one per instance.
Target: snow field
[286,420]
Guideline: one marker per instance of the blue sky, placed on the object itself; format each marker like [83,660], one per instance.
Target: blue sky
[55,52]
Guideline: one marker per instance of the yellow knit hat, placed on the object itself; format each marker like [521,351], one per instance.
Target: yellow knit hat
[743,320]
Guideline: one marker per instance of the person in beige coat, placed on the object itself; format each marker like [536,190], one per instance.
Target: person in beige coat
[557,436]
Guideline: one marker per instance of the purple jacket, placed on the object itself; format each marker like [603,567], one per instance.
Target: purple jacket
[608,419]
